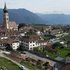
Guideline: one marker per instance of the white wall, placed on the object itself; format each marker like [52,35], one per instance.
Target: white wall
[15,45]
[31,45]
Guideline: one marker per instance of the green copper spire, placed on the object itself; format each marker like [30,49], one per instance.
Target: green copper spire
[5,8]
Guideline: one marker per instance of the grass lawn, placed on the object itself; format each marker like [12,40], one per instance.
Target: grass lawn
[8,64]
[51,55]
[62,52]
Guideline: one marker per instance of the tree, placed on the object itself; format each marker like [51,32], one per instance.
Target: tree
[21,48]
[68,54]
[39,62]
[35,49]
[57,44]
[9,47]
[46,65]
[21,25]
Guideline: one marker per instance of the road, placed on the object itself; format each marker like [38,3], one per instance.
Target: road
[2,55]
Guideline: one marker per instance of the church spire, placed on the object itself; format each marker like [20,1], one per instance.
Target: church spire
[5,8]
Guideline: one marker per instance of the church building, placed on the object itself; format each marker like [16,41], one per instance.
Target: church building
[7,24]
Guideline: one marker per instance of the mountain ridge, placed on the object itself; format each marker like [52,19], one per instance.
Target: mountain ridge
[28,17]
[22,16]
[56,18]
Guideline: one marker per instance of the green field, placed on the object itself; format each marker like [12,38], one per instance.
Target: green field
[62,52]
[7,64]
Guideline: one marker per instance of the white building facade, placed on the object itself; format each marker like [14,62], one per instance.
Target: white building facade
[15,45]
[32,43]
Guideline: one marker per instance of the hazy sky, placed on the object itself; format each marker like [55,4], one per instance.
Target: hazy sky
[39,6]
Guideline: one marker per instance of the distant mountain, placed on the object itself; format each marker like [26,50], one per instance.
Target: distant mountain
[55,18]
[22,16]
[25,16]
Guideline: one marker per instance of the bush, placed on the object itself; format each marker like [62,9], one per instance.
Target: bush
[8,47]
[21,48]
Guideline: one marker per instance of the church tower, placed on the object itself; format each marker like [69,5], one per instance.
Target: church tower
[5,18]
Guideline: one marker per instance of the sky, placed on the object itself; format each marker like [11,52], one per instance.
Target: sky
[39,6]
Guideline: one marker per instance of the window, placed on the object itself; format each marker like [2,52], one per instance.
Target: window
[30,48]
[30,42]
[33,44]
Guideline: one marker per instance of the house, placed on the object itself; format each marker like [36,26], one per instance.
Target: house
[15,45]
[22,34]
[54,40]
[39,32]
[4,37]
[43,42]
[57,32]
[29,42]
[12,41]
[26,29]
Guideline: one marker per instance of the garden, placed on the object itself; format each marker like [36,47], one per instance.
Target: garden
[57,50]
